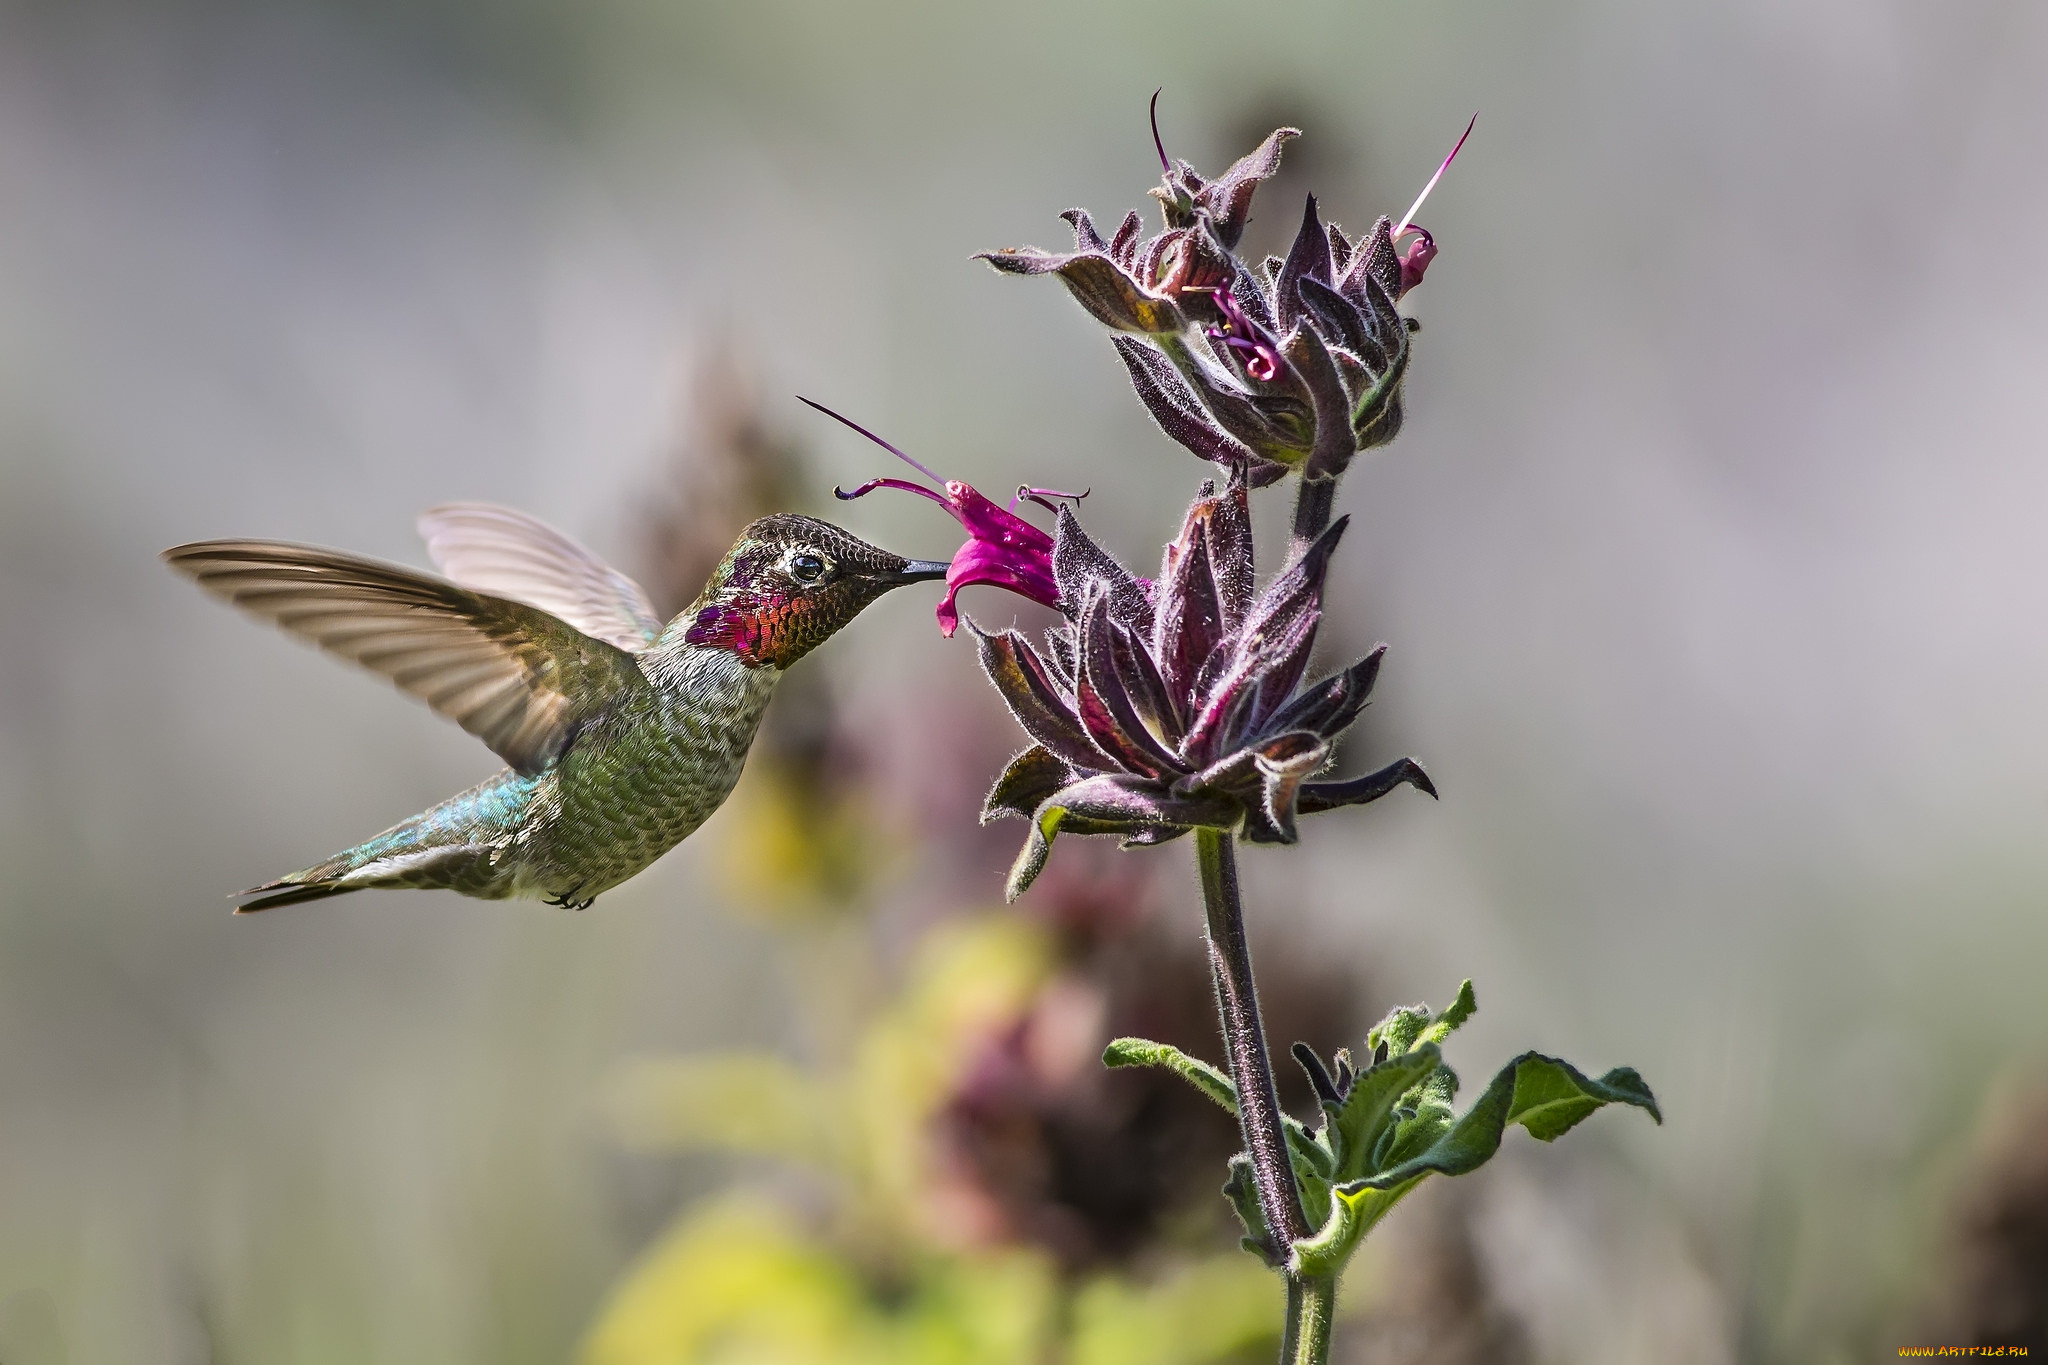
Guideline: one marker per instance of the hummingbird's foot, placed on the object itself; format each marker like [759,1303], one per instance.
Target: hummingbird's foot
[567,900]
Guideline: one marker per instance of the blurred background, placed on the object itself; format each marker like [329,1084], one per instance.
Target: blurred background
[1711,560]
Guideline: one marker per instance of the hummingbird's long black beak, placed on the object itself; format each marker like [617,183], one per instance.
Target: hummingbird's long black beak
[915,571]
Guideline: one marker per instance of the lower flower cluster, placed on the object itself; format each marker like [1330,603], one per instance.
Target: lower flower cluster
[1177,703]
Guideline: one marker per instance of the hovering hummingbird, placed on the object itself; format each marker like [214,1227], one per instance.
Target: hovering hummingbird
[623,734]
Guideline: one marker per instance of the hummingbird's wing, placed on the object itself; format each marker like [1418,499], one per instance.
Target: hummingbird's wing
[516,677]
[508,553]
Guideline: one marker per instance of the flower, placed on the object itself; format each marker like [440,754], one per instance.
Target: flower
[1299,368]
[1261,361]
[1177,704]
[1142,287]
[1419,253]
[1002,548]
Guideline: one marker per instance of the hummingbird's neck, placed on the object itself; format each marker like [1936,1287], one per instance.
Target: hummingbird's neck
[676,666]
[762,629]
[742,629]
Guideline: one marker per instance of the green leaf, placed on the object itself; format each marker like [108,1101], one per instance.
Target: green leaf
[1399,1031]
[1551,1097]
[1312,1163]
[1031,858]
[1353,1213]
[1407,1027]
[1356,1127]
[1214,1084]
[1543,1094]
[1193,1070]
[1243,1193]
[1447,1023]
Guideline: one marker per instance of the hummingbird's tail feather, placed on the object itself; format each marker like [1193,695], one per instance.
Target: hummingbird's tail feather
[289,894]
[330,878]
[456,845]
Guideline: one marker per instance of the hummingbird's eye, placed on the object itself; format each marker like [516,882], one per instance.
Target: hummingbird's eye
[806,567]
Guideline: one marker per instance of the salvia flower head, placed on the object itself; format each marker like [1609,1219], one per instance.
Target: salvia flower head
[1002,548]
[1296,366]
[1178,704]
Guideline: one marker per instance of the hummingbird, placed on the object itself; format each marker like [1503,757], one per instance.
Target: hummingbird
[621,734]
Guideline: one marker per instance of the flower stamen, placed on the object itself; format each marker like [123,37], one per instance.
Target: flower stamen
[1261,361]
[1416,207]
[872,437]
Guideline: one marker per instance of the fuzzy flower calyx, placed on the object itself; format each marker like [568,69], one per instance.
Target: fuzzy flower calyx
[1150,287]
[1178,704]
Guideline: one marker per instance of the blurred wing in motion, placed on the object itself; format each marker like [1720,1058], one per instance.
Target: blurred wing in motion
[510,554]
[516,677]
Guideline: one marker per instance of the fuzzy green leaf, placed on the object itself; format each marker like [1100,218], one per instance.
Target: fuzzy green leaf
[1356,1127]
[1243,1193]
[1313,1166]
[1217,1086]
[1193,1070]
[1353,1213]
[1543,1094]
[1399,1031]
[1447,1023]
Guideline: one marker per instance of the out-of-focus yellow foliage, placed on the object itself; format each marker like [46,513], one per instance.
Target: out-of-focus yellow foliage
[1211,1310]
[865,1123]
[735,1102]
[790,854]
[743,1282]
[738,1283]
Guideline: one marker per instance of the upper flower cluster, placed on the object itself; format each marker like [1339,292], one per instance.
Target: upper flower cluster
[1177,704]
[1296,365]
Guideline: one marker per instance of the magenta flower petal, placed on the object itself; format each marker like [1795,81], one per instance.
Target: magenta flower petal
[1000,566]
[1416,256]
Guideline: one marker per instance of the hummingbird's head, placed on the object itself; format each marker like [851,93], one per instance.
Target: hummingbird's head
[788,583]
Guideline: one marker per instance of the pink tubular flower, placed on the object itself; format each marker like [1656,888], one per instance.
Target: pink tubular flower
[1002,549]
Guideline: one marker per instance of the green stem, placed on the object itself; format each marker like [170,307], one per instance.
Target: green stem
[1311,1307]
[1244,1041]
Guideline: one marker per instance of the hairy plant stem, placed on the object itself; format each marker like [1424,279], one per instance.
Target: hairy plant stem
[1314,501]
[1311,1300]
[1311,1307]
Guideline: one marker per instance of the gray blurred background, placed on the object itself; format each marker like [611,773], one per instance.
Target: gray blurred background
[1711,560]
